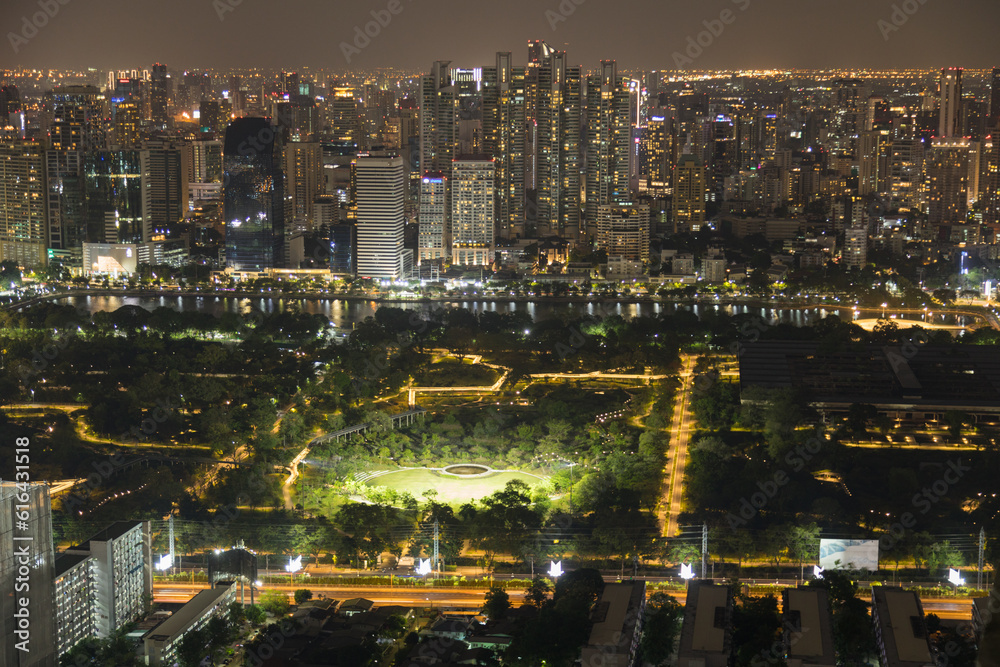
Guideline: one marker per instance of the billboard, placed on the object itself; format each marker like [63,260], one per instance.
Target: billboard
[848,554]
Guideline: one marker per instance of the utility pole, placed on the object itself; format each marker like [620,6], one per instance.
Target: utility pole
[170,526]
[982,545]
[704,549]
[437,566]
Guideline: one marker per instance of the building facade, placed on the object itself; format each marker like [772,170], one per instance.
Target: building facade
[472,211]
[380,183]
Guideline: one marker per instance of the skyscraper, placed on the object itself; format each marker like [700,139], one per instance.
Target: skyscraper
[947,169]
[658,151]
[23,232]
[689,195]
[558,173]
[993,120]
[950,121]
[165,191]
[114,197]
[380,216]
[127,122]
[438,130]
[472,210]
[431,237]
[27,563]
[254,195]
[77,118]
[609,140]
[304,169]
[159,96]
[503,140]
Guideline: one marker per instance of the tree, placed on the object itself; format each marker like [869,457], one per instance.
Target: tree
[660,628]
[302,595]
[255,615]
[496,603]
[237,614]
[192,648]
[537,591]
[274,602]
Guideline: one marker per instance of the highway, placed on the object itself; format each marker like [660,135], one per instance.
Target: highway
[470,598]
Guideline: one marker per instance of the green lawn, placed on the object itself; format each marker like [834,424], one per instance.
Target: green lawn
[450,489]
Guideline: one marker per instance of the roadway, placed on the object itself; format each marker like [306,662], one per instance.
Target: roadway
[470,598]
[681,426]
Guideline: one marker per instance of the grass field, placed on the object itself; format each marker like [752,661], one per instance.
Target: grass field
[450,489]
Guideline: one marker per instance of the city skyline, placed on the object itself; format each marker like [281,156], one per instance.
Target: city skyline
[739,34]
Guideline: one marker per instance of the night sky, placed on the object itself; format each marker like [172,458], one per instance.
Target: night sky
[296,33]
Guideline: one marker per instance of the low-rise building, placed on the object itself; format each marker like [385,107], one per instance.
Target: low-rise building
[900,631]
[808,630]
[706,636]
[161,643]
[618,617]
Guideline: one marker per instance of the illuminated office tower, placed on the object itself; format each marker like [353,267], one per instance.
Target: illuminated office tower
[472,210]
[342,112]
[159,96]
[432,246]
[439,100]
[165,188]
[77,118]
[379,185]
[623,231]
[658,150]
[609,140]
[127,123]
[538,51]
[558,174]
[950,120]
[947,169]
[26,545]
[304,169]
[23,232]
[65,207]
[503,140]
[205,161]
[114,196]
[254,195]
[689,195]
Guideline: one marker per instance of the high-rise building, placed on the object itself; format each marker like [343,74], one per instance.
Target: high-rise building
[947,169]
[439,100]
[159,96]
[855,255]
[26,576]
[991,184]
[503,140]
[558,140]
[472,210]
[432,244]
[297,117]
[658,152]
[689,195]
[906,165]
[873,148]
[254,195]
[380,216]
[609,141]
[77,118]
[66,212]
[114,197]
[23,229]
[75,600]
[623,230]
[993,120]
[123,581]
[165,191]
[127,124]
[342,111]
[304,170]
[950,120]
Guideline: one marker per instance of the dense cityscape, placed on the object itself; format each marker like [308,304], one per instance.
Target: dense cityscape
[531,360]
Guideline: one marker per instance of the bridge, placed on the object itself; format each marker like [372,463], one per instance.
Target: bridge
[398,420]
